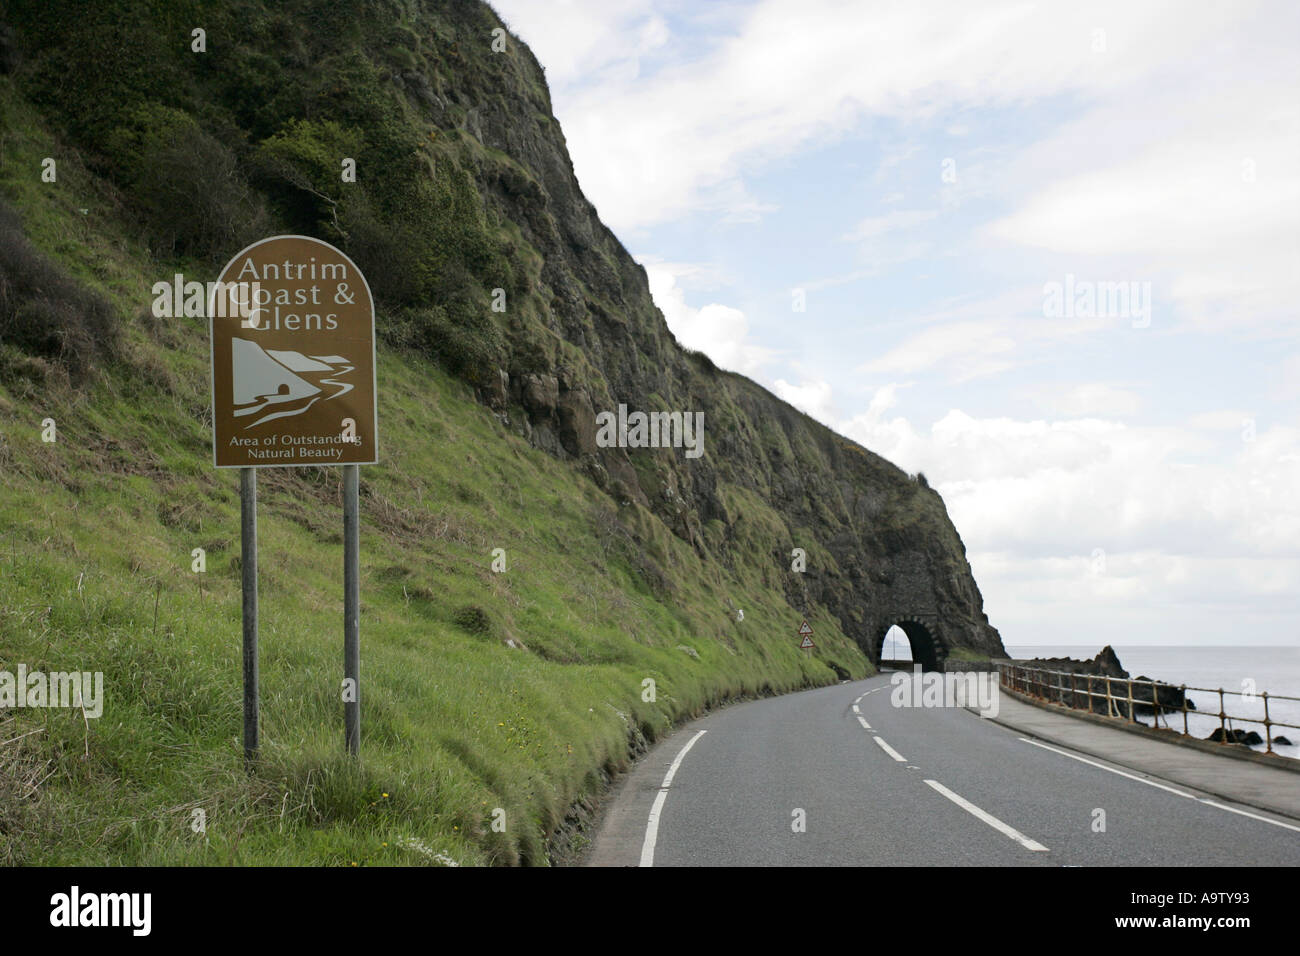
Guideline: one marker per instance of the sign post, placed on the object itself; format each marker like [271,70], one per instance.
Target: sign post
[248,569]
[293,384]
[351,611]
[805,631]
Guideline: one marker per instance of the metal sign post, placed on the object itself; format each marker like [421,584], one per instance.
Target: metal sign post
[248,569]
[805,631]
[351,610]
[293,384]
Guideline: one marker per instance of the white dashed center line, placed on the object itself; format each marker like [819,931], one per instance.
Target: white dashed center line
[988,818]
[890,750]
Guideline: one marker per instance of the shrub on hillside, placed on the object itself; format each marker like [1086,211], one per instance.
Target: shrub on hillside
[472,619]
[185,185]
[301,166]
[44,312]
[463,339]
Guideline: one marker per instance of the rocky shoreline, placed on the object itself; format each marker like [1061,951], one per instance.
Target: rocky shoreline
[1149,700]
[1091,692]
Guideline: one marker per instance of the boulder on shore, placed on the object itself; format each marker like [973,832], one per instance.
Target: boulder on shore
[1237,736]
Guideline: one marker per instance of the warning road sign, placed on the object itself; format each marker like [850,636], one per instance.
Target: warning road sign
[807,642]
[804,628]
[293,379]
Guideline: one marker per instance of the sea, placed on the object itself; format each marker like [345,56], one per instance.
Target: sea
[1272,669]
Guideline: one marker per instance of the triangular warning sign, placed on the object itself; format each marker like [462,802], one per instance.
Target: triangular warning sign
[807,642]
[804,628]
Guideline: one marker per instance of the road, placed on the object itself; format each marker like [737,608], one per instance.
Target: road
[881,785]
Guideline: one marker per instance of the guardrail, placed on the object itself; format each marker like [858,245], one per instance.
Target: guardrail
[1126,698]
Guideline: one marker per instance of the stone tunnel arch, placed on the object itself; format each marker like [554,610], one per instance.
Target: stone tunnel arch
[927,649]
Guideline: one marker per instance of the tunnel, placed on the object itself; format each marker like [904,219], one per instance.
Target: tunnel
[926,650]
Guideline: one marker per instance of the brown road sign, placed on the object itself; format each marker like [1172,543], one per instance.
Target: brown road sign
[293,382]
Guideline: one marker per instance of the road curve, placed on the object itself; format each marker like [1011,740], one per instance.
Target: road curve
[878,785]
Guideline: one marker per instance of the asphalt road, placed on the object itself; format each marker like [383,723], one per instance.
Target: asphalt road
[966,791]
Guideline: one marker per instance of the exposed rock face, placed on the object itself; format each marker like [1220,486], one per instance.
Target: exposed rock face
[577,421]
[1105,664]
[881,549]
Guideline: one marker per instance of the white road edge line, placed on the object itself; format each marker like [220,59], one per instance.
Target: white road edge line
[1102,766]
[890,750]
[988,818]
[1253,816]
[1161,786]
[863,721]
[652,825]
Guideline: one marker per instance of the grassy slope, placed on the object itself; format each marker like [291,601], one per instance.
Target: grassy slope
[98,527]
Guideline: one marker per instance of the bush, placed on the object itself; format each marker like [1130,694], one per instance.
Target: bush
[185,185]
[44,312]
[463,339]
[386,254]
[302,166]
[472,619]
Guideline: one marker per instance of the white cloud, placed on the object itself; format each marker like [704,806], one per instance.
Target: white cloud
[1198,187]
[1221,420]
[719,331]
[1285,378]
[874,227]
[885,398]
[1097,399]
[650,146]
[976,338]
[1038,502]
[578,39]
[814,398]
[968,349]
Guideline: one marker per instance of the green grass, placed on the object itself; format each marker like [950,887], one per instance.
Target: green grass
[96,535]
[456,723]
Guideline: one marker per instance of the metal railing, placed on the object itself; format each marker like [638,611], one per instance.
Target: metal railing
[1127,698]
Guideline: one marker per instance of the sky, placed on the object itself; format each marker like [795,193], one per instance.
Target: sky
[1046,253]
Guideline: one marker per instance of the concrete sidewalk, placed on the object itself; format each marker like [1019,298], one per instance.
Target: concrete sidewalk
[1241,781]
